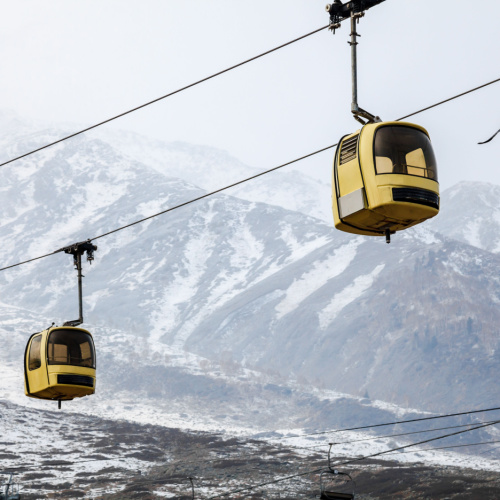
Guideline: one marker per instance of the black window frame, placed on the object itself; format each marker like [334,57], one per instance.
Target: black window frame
[433,169]
[35,339]
[72,333]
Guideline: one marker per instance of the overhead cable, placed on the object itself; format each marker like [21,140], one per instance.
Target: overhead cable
[447,100]
[163,97]
[316,471]
[491,138]
[223,188]
[290,447]
[30,260]
[459,446]
[308,472]
[425,441]
[387,436]
[206,195]
[422,419]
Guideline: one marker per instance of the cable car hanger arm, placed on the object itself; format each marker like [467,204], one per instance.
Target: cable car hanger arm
[359,113]
[77,250]
[353,10]
[237,183]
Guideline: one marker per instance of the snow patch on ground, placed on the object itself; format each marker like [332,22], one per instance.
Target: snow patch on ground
[472,233]
[346,296]
[350,444]
[318,276]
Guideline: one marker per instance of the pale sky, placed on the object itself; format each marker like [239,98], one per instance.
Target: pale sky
[84,61]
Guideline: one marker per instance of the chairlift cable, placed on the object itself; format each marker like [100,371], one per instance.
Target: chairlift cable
[459,446]
[387,436]
[231,185]
[186,87]
[487,424]
[425,441]
[292,447]
[206,195]
[422,419]
[491,450]
[286,449]
[315,471]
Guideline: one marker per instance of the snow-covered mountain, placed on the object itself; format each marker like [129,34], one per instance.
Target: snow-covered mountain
[202,166]
[246,304]
[212,169]
[471,214]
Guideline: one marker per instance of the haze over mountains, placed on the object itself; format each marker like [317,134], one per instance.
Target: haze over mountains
[233,311]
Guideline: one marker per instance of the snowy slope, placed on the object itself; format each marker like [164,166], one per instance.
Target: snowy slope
[237,304]
[212,169]
[471,213]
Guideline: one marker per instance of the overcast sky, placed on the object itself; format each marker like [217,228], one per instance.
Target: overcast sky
[84,61]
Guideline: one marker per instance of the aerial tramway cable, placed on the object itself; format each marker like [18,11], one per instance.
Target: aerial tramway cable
[459,446]
[186,87]
[206,195]
[291,447]
[448,100]
[316,471]
[387,436]
[422,419]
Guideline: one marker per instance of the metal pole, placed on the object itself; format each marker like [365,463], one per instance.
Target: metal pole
[192,486]
[354,65]
[80,289]
[7,486]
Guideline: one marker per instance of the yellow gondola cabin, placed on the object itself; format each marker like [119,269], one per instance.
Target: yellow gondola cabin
[60,364]
[384,179]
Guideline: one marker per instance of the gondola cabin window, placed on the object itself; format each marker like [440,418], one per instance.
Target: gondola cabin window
[404,150]
[66,347]
[35,359]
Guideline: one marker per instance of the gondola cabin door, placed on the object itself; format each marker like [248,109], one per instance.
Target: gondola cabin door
[384,179]
[60,364]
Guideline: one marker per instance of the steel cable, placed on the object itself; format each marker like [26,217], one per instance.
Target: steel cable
[163,97]
[235,183]
[316,471]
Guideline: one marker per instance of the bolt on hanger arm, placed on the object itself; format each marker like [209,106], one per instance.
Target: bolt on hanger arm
[77,250]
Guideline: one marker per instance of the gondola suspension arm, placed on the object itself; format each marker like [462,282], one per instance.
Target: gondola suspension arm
[360,114]
[77,250]
[354,10]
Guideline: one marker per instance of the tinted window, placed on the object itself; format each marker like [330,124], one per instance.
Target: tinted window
[404,150]
[71,347]
[35,360]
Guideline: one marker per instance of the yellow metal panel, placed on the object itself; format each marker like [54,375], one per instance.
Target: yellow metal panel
[43,381]
[37,378]
[349,177]
[382,212]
